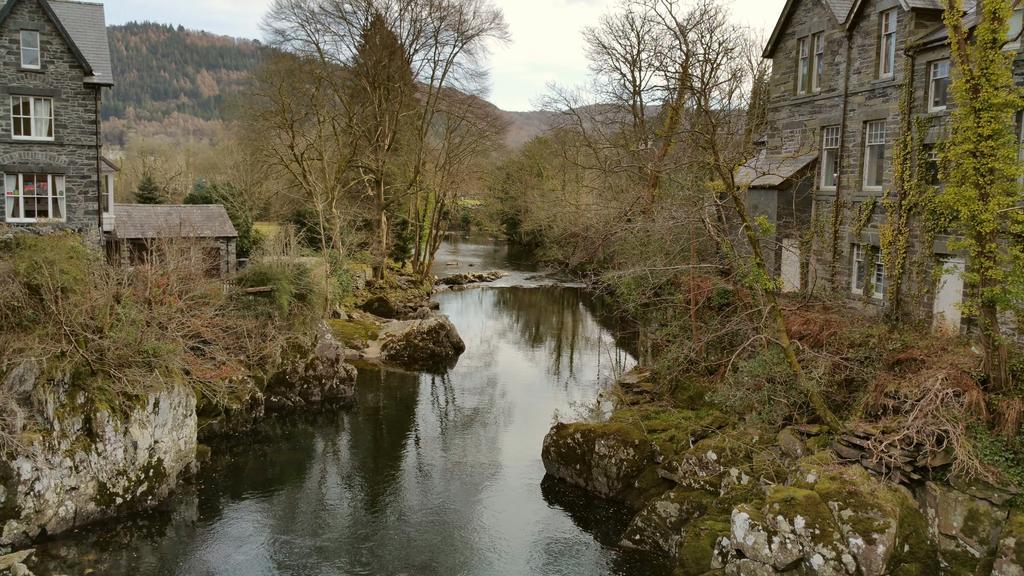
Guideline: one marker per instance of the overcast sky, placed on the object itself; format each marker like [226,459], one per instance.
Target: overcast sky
[546,42]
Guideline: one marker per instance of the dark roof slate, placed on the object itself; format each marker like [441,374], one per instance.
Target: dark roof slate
[86,23]
[151,221]
[766,171]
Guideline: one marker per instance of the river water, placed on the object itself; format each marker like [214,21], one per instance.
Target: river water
[427,475]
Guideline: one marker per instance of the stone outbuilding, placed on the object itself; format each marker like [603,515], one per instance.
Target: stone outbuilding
[139,230]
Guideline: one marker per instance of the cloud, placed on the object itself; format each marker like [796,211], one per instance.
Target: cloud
[547,35]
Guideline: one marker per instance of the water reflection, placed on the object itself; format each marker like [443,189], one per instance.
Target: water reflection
[429,474]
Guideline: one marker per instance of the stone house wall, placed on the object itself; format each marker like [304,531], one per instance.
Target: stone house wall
[853,94]
[74,151]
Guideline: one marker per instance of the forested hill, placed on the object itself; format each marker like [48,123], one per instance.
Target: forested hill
[172,76]
[173,83]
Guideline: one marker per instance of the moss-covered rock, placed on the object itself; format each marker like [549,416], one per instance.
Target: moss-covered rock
[698,549]
[883,528]
[966,529]
[659,526]
[1010,552]
[611,460]
[795,529]
[716,458]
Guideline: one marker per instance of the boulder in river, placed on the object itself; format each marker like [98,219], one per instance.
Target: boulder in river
[430,343]
[313,377]
[611,460]
[471,278]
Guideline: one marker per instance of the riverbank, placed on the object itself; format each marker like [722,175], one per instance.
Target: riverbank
[107,398]
[719,483]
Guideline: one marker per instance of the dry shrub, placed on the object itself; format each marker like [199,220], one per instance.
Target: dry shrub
[118,333]
[922,410]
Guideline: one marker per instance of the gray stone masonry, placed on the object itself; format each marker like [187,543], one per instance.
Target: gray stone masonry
[851,95]
[73,152]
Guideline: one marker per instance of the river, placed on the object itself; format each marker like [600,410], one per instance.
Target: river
[427,475]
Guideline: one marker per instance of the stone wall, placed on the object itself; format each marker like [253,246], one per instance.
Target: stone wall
[91,462]
[73,151]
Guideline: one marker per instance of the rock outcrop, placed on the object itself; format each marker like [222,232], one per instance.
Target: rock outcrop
[92,462]
[471,278]
[312,378]
[611,460]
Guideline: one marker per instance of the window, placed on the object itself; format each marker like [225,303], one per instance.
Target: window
[938,85]
[819,61]
[31,118]
[810,63]
[874,155]
[887,45]
[804,68]
[33,197]
[931,167]
[860,271]
[31,55]
[829,157]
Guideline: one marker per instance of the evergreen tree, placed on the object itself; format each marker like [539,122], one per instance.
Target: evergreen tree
[205,192]
[149,192]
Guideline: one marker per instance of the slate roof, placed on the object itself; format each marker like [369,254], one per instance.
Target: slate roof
[84,27]
[770,171]
[149,221]
[86,23]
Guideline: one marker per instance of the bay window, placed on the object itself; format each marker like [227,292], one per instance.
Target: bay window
[31,53]
[938,85]
[887,44]
[830,157]
[861,269]
[30,198]
[31,118]
[874,155]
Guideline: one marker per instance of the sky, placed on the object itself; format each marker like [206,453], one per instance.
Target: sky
[546,46]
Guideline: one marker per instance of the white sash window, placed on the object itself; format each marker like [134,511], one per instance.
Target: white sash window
[31,118]
[31,53]
[32,198]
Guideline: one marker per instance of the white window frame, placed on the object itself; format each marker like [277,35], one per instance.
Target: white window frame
[934,68]
[818,61]
[33,101]
[38,50]
[873,137]
[56,196]
[878,284]
[831,139]
[803,66]
[887,44]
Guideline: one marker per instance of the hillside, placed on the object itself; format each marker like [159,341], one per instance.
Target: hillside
[174,83]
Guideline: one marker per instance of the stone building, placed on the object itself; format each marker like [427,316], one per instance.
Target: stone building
[142,229]
[839,68]
[54,70]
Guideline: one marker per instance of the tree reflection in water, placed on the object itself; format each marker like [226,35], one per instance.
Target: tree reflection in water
[428,475]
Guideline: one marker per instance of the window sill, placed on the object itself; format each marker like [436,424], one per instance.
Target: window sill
[883,82]
[937,111]
[34,140]
[31,70]
[872,190]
